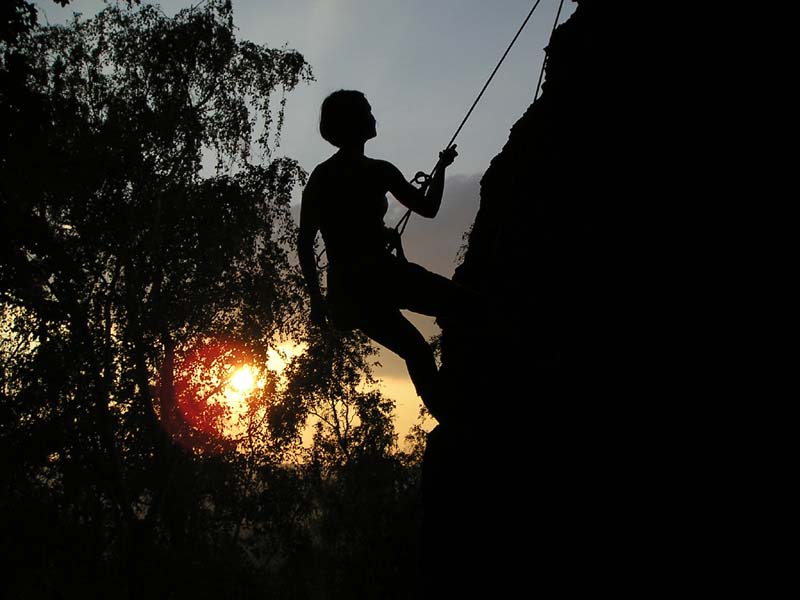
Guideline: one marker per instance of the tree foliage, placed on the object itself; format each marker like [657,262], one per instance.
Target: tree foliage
[146,251]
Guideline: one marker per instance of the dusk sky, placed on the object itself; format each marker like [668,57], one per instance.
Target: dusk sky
[420,63]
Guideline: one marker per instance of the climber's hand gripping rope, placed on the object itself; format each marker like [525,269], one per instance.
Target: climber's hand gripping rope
[423,180]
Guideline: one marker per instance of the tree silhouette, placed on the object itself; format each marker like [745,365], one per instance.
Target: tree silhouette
[365,492]
[119,257]
[146,254]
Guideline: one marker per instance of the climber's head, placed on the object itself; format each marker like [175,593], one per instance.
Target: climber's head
[346,119]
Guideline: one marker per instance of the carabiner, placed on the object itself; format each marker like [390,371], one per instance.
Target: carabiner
[422,179]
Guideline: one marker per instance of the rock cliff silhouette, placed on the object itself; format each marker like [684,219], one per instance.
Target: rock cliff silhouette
[556,477]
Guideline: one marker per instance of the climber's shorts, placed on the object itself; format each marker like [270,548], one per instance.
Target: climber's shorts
[359,294]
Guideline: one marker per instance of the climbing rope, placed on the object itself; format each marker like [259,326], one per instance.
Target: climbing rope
[423,178]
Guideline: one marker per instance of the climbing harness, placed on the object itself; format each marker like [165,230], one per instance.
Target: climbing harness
[422,179]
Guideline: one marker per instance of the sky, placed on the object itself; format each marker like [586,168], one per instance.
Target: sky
[421,63]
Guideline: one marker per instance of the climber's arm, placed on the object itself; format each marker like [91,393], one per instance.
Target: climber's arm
[309,226]
[425,203]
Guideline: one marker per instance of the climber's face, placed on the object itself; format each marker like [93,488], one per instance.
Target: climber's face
[369,123]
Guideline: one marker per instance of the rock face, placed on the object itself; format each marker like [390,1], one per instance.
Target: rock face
[555,475]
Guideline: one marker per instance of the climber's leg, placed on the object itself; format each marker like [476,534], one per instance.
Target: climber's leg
[431,294]
[392,330]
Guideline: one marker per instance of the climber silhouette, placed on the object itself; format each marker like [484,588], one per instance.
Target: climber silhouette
[345,200]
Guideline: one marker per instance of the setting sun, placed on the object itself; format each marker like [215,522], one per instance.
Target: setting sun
[238,397]
[223,391]
[243,380]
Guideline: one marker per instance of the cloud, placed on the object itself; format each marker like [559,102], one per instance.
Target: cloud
[434,243]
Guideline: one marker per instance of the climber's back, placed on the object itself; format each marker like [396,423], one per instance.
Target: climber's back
[348,194]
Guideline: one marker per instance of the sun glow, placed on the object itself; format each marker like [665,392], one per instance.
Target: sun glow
[239,392]
[282,354]
[222,392]
[243,380]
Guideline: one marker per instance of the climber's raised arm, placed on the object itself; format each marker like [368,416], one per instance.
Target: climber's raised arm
[424,203]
